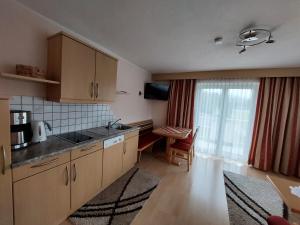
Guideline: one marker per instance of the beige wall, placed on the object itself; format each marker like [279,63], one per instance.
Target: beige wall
[23,40]
[159,112]
[131,107]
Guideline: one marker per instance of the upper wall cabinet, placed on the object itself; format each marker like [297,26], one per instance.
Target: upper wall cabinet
[106,77]
[86,75]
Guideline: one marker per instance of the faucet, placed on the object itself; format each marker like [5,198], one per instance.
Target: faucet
[111,123]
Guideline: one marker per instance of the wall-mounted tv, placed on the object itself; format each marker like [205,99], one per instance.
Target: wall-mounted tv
[159,91]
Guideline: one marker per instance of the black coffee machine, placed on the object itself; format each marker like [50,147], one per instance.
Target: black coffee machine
[20,127]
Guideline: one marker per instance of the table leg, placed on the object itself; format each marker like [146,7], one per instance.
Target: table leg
[169,153]
[285,212]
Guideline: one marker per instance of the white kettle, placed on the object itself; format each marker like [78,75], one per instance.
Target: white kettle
[39,131]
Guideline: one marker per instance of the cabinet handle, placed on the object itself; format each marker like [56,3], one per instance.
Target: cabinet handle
[4,160]
[45,163]
[124,149]
[86,149]
[67,176]
[96,90]
[74,173]
[92,89]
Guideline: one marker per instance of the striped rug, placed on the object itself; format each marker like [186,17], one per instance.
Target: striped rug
[250,201]
[120,202]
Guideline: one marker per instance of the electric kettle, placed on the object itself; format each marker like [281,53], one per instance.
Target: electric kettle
[39,131]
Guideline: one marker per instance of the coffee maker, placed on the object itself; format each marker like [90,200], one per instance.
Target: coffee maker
[20,127]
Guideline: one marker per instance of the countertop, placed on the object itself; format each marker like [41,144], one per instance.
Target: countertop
[55,145]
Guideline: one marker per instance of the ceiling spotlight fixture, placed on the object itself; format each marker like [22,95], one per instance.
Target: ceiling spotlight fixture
[270,41]
[243,50]
[254,36]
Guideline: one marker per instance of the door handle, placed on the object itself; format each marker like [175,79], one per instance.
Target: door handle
[67,176]
[92,89]
[45,163]
[4,160]
[74,172]
[89,148]
[96,90]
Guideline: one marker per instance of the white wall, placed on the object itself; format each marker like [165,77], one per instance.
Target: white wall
[131,107]
[159,112]
[23,40]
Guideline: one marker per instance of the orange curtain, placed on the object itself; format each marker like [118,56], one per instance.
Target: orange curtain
[276,134]
[180,111]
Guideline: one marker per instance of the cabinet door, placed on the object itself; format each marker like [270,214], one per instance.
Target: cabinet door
[6,204]
[106,78]
[43,198]
[86,178]
[77,71]
[112,164]
[130,153]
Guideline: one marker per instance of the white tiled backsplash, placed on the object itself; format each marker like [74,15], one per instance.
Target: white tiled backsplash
[64,117]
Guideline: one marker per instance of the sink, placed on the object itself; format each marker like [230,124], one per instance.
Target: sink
[122,127]
[119,127]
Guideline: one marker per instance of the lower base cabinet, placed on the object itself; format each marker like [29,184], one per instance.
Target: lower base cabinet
[43,198]
[86,176]
[130,153]
[112,164]
[50,196]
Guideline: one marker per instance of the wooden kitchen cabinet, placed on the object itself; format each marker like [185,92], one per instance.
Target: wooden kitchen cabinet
[43,198]
[86,175]
[106,77]
[130,153]
[73,64]
[86,75]
[6,197]
[112,164]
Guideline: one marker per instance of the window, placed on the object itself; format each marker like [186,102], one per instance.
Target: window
[224,114]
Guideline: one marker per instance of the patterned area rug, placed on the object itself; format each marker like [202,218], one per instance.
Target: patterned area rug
[120,202]
[250,201]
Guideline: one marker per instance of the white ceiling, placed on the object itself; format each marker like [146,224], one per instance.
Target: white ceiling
[177,35]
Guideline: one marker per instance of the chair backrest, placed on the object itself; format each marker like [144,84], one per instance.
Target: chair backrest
[194,138]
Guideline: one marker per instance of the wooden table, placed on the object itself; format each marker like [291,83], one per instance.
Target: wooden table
[282,186]
[172,133]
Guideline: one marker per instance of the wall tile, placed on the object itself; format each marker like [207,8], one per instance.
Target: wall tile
[15,107]
[27,107]
[15,100]
[56,116]
[38,108]
[28,100]
[56,123]
[47,108]
[64,117]
[48,116]
[38,101]
[56,108]
[38,116]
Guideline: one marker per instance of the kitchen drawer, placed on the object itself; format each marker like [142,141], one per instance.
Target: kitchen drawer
[131,134]
[87,149]
[40,166]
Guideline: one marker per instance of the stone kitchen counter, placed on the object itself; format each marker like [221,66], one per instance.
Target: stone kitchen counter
[55,145]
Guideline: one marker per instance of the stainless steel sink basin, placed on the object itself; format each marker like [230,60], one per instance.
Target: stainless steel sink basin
[119,127]
[122,127]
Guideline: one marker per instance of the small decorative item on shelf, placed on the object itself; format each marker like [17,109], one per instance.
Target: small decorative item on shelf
[30,71]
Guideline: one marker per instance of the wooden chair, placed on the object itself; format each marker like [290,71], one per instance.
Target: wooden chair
[184,150]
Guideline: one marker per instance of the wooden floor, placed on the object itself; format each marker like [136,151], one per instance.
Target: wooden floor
[194,198]
[197,197]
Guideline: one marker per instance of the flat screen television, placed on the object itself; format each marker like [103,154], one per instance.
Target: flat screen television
[159,91]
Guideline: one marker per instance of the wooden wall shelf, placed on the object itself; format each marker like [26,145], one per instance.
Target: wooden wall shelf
[25,78]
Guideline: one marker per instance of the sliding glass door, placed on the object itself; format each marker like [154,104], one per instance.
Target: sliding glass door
[224,114]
